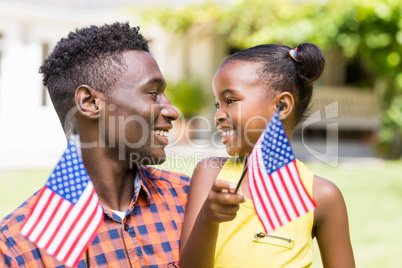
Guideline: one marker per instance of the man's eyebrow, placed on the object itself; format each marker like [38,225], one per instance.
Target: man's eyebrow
[156,80]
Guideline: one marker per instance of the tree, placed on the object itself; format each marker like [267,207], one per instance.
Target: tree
[371,30]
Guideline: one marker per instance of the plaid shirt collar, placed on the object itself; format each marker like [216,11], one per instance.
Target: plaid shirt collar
[143,179]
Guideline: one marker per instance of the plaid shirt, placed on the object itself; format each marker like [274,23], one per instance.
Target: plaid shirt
[148,236]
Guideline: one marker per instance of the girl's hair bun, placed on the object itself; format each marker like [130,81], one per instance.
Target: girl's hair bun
[312,62]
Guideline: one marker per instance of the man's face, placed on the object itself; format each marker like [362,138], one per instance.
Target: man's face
[138,114]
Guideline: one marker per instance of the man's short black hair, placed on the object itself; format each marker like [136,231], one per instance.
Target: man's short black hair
[89,56]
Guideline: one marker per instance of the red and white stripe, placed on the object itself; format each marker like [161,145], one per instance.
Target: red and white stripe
[279,197]
[62,228]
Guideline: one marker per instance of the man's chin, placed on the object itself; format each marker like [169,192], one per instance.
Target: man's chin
[152,159]
[156,161]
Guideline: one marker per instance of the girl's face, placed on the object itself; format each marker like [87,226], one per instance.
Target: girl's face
[244,105]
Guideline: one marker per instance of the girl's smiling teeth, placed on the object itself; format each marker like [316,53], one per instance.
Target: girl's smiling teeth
[228,133]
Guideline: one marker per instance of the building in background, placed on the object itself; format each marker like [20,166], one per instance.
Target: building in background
[31,135]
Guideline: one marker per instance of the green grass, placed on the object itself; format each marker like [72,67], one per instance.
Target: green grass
[372,191]
[16,186]
[373,195]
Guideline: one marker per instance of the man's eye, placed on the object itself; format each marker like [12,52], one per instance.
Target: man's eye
[154,94]
[229,101]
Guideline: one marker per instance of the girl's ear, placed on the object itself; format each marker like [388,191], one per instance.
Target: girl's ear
[286,101]
[88,102]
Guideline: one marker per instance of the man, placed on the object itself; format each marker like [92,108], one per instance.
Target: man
[104,83]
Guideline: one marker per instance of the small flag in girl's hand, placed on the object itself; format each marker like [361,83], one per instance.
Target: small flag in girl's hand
[276,189]
[67,214]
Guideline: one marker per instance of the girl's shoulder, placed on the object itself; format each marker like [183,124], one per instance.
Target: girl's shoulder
[331,226]
[328,198]
[325,191]
[211,164]
[208,169]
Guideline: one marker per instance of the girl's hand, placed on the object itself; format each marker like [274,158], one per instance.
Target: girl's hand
[221,204]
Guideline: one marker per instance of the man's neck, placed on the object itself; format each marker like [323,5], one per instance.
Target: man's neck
[113,179]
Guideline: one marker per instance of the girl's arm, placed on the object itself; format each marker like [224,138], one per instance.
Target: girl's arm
[209,203]
[331,226]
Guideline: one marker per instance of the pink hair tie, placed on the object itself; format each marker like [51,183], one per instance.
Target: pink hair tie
[293,53]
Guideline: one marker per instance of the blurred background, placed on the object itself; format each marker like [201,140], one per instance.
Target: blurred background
[353,136]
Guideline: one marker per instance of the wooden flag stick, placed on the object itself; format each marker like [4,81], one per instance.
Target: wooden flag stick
[87,255]
[242,177]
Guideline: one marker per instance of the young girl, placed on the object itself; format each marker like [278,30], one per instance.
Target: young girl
[221,228]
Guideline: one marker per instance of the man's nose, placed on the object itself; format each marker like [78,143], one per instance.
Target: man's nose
[168,111]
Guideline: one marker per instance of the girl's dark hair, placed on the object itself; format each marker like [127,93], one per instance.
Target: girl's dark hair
[282,73]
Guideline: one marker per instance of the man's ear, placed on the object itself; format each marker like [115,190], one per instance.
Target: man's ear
[88,102]
[286,101]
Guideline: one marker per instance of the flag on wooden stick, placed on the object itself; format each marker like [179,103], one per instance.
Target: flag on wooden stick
[276,189]
[67,213]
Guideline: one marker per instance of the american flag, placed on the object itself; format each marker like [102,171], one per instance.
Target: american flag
[276,189]
[67,214]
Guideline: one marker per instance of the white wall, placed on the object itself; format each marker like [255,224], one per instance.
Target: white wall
[30,134]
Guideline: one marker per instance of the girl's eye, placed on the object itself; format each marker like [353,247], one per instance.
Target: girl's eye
[154,94]
[217,105]
[229,101]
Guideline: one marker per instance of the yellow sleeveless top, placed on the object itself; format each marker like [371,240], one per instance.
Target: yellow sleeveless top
[243,243]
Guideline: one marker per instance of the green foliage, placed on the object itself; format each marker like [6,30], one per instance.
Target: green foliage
[390,135]
[180,19]
[371,30]
[188,96]
[362,184]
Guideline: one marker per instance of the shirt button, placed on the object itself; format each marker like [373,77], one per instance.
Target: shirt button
[126,227]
